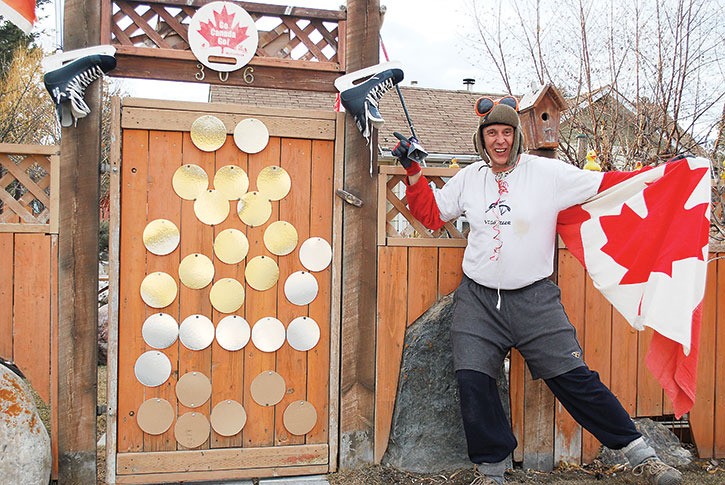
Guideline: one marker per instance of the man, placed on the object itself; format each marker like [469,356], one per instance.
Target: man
[505,299]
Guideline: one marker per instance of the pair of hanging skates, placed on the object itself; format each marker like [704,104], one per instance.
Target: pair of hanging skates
[67,85]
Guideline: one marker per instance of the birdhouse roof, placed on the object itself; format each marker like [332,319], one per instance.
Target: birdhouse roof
[534,98]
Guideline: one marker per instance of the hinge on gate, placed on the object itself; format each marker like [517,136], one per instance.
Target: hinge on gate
[349,198]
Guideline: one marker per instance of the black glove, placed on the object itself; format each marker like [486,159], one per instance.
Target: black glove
[401,153]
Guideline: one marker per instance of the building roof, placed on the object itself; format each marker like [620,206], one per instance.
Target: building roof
[444,119]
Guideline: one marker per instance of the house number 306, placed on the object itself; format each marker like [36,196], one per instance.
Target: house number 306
[247,74]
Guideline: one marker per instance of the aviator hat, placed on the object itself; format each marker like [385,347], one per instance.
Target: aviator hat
[501,114]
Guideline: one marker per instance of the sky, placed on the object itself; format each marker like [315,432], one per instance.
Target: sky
[421,34]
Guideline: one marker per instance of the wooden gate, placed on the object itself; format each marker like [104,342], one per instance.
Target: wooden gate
[153,141]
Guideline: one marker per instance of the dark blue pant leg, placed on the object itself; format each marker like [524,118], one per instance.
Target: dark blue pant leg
[594,407]
[488,432]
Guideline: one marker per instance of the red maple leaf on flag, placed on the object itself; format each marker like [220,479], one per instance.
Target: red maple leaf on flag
[223,31]
[653,243]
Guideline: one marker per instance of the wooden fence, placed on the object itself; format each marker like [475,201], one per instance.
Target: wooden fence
[29,268]
[546,433]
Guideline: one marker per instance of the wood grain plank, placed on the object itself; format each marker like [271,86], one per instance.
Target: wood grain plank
[623,377]
[422,281]
[719,444]
[259,430]
[517,375]
[131,309]
[567,432]
[649,391]
[702,415]
[296,159]
[450,271]
[392,322]
[7,273]
[318,358]
[538,425]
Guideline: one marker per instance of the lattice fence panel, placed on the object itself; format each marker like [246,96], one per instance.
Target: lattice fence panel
[25,189]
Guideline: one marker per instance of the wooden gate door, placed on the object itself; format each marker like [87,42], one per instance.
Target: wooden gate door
[268,408]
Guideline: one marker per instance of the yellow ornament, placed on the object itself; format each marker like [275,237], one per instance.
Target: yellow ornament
[592,162]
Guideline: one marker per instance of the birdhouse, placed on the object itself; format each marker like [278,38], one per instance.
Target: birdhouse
[540,113]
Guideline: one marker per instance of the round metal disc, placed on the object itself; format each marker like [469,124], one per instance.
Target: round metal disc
[189,181]
[231,181]
[303,333]
[208,133]
[261,273]
[228,418]
[274,182]
[300,288]
[268,388]
[315,254]
[158,290]
[300,417]
[280,237]
[155,416]
[152,368]
[211,207]
[160,330]
[268,334]
[232,333]
[191,430]
[196,271]
[196,332]
[251,135]
[193,389]
[231,246]
[161,237]
[227,295]
[254,209]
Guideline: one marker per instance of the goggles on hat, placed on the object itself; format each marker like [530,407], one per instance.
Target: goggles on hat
[485,104]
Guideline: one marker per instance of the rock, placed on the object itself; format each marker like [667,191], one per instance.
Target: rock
[24,441]
[659,437]
[427,432]
[102,334]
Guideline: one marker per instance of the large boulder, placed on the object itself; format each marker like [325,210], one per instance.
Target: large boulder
[427,432]
[24,441]
[662,439]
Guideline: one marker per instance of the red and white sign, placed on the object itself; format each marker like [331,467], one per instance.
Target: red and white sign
[222,35]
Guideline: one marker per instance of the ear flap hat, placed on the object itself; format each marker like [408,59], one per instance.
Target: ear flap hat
[500,114]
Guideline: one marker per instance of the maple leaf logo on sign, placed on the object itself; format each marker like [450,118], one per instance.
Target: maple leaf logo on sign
[652,243]
[223,32]
[222,36]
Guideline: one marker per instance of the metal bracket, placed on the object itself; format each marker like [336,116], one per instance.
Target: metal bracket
[349,198]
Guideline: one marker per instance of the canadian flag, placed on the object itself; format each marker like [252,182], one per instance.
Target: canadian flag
[644,241]
[19,12]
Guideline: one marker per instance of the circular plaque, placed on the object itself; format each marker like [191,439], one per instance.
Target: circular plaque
[227,295]
[280,238]
[191,430]
[193,389]
[155,416]
[268,334]
[196,271]
[301,288]
[232,333]
[303,333]
[231,181]
[161,237]
[196,332]
[254,209]
[251,135]
[300,417]
[274,182]
[231,246]
[268,388]
[228,418]
[208,133]
[211,207]
[158,290]
[189,181]
[315,254]
[160,330]
[152,368]
[261,273]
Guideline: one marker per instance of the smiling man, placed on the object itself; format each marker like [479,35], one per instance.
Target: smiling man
[506,300]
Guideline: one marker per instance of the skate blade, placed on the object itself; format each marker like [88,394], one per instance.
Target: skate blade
[349,80]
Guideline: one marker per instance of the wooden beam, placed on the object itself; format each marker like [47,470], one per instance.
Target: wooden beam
[359,268]
[78,266]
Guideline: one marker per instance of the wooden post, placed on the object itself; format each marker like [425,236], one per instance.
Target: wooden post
[359,268]
[78,266]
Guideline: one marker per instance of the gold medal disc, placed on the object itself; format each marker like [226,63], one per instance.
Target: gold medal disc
[189,181]
[196,271]
[274,181]
[231,181]
[227,295]
[161,237]
[254,209]
[261,273]
[211,207]
[158,290]
[231,246]
[280,238]
[208,133]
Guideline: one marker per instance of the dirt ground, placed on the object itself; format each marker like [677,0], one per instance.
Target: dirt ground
[699,472]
